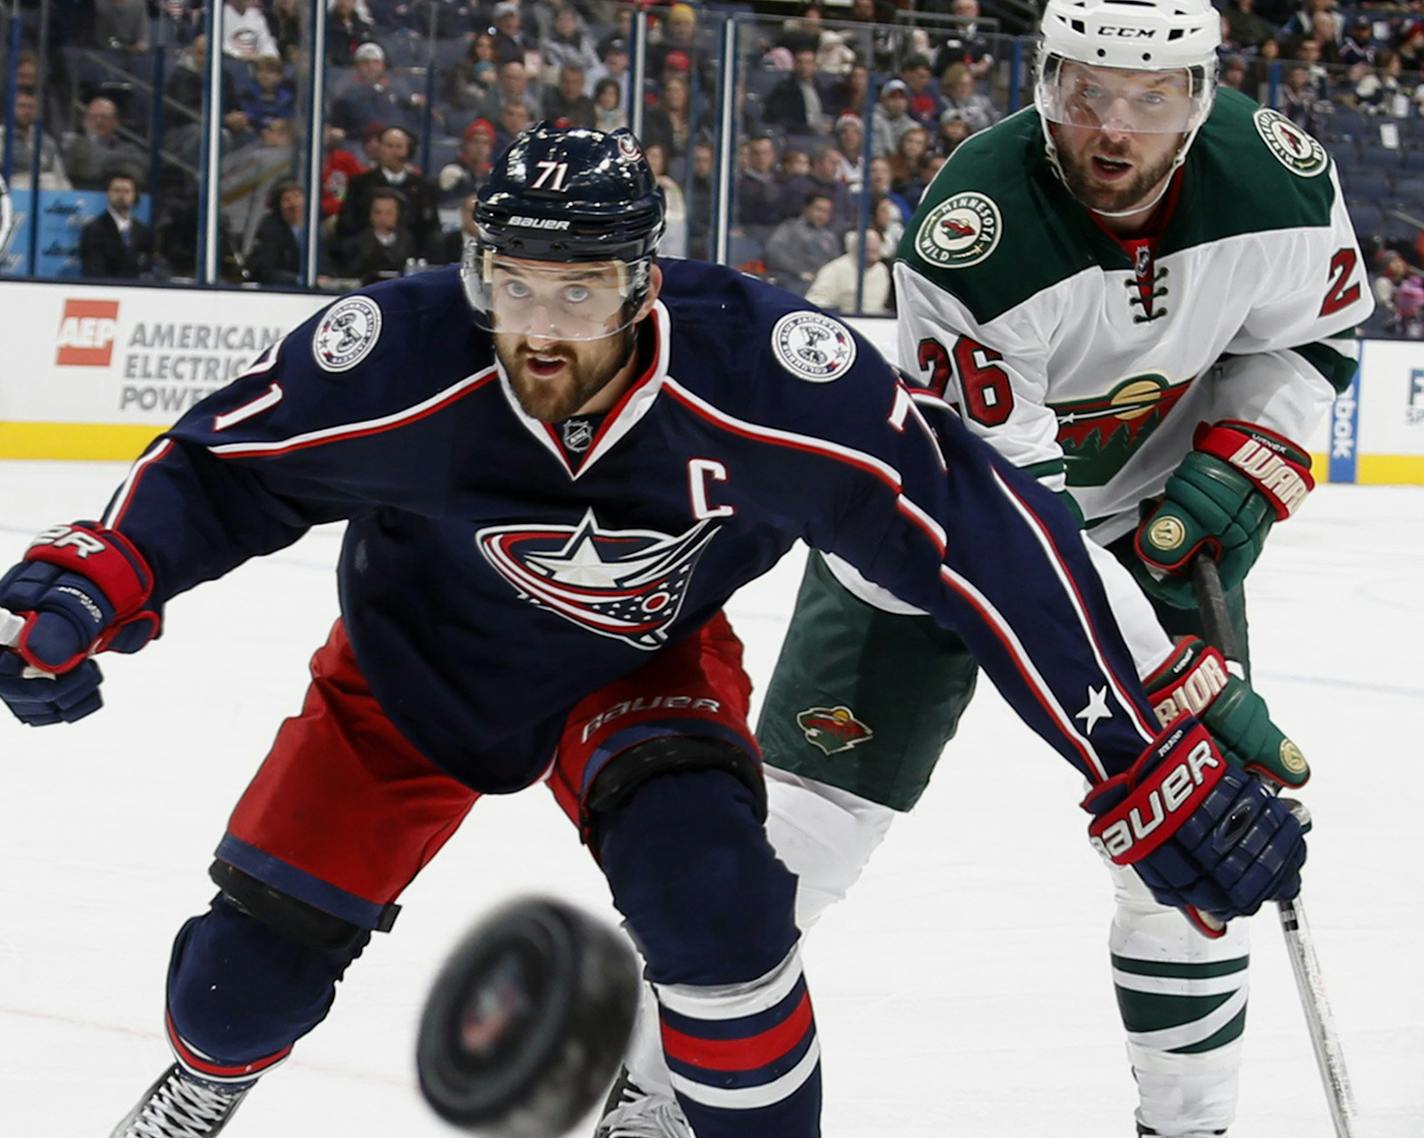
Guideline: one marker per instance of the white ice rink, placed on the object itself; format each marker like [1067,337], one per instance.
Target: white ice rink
[963,990]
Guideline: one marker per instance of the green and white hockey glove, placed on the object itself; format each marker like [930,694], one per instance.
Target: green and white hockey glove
[1195,681]
[1238,481]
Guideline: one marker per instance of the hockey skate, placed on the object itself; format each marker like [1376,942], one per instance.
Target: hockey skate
[178,1106]
[632,1112]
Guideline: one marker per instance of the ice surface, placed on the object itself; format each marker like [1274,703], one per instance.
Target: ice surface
[962,990]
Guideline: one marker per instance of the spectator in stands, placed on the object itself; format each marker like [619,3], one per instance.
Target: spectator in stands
[380,248]
[960,93]
[1298,97]
[566,104]
[834,286]
[759,193]
[674,243]
[52,175]
[850,94]
[794,164]
[462,177]
[392,172]
[822,178]
[1410,45]
[885,216]
[892,117]
[850,141]
[796,105]
[287,21]
[512,44]
[346,31]
[276,256]
[881,186]
[245,34]
[514,117]
[568,42]
[267,96]
[608,111]
[339,167]
[966,44]
[905,165]
[801,245]
[1233,73]
[1379,92]
[670,122]
[1259,70]
[189,80]
[97,151]
[925,102]
[121,25]
[679,34]
[699,200]
[1245,27]
[954,128]
[1303,23]
[512,86]
[374,95]
[614,65]
[470,82]
[1358,46]
[116,244]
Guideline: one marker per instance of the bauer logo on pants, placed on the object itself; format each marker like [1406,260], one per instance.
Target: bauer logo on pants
[833,729]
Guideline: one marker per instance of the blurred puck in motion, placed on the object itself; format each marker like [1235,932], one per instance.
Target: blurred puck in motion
[528,1020]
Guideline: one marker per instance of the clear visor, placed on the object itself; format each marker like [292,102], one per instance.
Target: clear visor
[548,300]
[1115,98]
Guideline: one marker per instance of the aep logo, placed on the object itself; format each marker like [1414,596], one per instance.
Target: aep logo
[86,333]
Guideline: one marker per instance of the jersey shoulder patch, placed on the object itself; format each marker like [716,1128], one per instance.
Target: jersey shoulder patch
[1293,148]
[996,226]
[346,334]
[813,346]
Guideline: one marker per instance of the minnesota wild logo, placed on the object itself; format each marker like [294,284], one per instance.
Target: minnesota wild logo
[1099,435]
[833,729]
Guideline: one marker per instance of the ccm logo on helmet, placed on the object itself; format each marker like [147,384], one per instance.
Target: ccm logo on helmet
[1173,791]
[538,223]
[1128,33]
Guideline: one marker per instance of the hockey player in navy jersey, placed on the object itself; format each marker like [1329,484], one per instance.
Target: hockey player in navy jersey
[547,507]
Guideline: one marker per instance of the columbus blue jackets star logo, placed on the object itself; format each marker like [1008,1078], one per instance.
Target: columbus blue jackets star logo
[626,584]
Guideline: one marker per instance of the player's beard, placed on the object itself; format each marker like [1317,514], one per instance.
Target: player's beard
[1136,190]
[589,366]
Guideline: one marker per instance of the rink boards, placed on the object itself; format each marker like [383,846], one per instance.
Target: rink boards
[94,373]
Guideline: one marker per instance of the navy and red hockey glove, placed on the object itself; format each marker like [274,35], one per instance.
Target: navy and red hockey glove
[1205,836]
[81,589]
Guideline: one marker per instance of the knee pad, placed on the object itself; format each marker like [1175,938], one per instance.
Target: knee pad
[672,754]
[690,867]
[241,992]
[824,835]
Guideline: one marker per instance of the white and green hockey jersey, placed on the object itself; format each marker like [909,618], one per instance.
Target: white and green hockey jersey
[1090,361]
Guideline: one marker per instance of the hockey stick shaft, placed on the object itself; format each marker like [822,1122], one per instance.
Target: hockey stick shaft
[1324,1040]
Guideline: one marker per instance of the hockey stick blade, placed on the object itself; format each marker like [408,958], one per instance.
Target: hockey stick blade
[1309,983]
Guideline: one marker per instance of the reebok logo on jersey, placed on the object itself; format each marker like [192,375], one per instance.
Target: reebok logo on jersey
[833,729]
[86,333]
[961,231]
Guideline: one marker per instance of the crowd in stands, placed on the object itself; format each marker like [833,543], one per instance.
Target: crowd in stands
[846,116]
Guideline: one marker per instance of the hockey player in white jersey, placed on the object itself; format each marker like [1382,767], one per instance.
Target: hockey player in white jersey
[1133,289]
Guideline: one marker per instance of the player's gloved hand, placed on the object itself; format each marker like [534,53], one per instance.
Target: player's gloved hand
[1195,681]
[81,589]
[1205,836]
[1238,481]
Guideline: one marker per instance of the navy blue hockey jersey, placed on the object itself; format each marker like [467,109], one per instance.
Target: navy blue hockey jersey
[489,580]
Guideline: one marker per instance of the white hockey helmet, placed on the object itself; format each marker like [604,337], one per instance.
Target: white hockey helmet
[1111,40]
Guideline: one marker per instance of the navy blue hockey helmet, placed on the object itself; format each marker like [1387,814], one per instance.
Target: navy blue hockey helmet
[569,197]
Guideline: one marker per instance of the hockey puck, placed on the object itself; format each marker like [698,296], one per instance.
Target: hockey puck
[527,1022]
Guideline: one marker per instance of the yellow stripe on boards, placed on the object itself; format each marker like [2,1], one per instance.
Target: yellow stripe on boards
[1390,469]
[76,441]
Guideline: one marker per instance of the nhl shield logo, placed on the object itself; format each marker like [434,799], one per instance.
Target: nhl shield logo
[577,434]
[1293,148]
[813,347]
[961,231]
[833,729]
[624,584]
[346,334]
